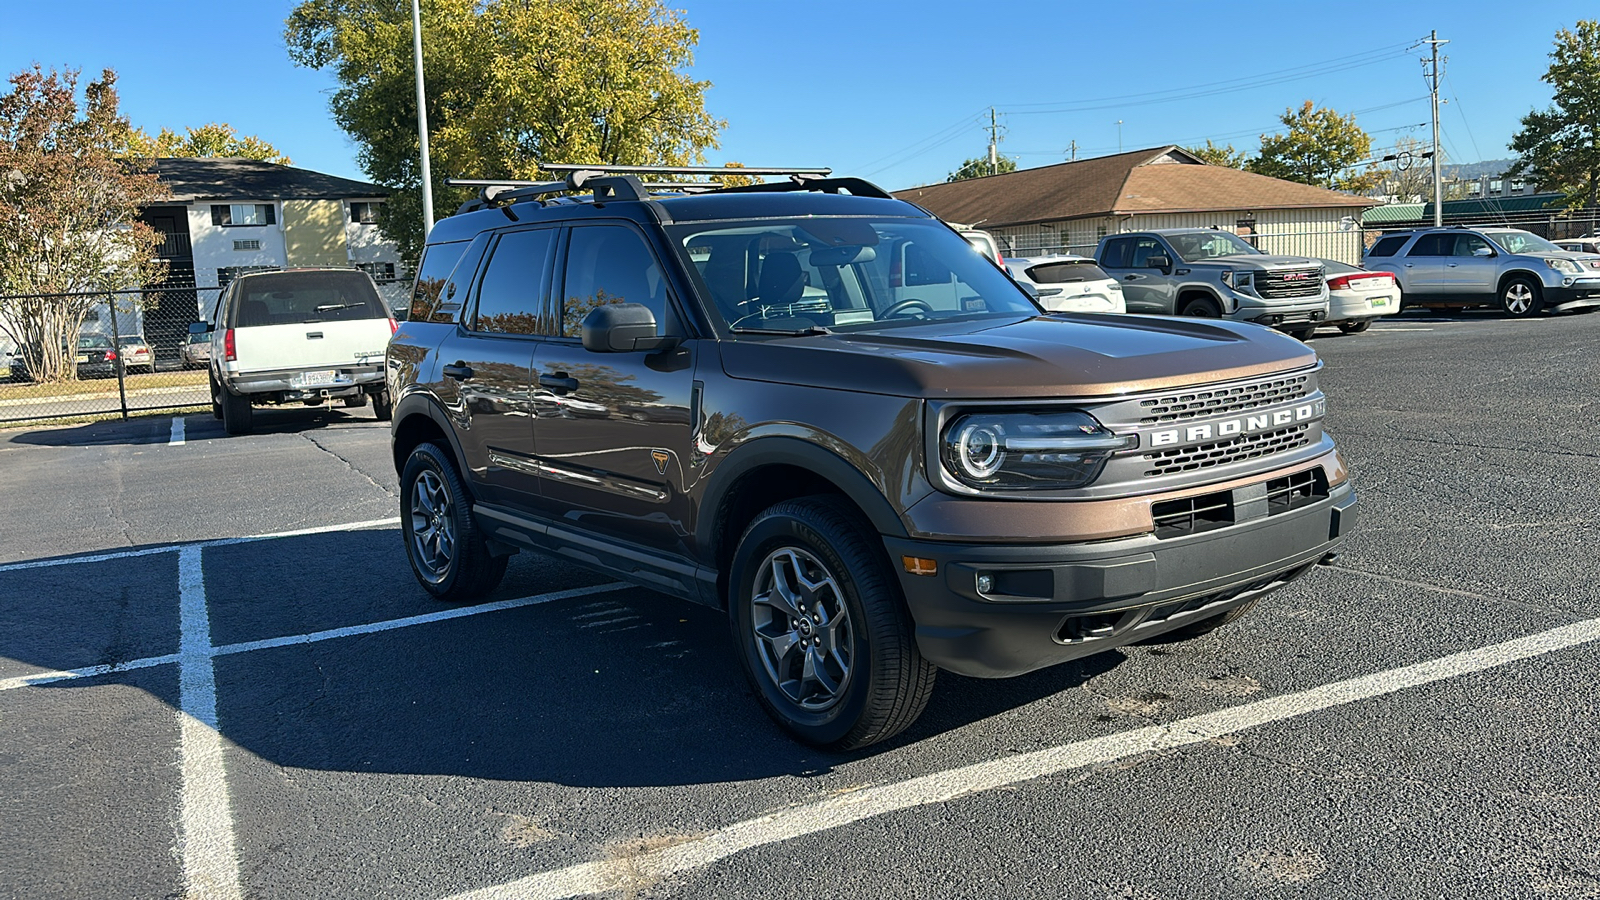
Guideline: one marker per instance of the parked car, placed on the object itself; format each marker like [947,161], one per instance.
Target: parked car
[922,471]
[195,352]
[1357,296]
[96,356]
[1517,270]
[297,336]
[1068,283]
[1587,244]
[137,355]
[1211,273]
[982,240]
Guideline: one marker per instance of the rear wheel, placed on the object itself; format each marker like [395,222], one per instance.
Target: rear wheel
[1202,307]
[216,404]
[237,414]
[1355,327]
[447,551]
[355,402]
[1520,298]
[382,405]
[822,628]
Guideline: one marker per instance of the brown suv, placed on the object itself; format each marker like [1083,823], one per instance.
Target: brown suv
[820,409]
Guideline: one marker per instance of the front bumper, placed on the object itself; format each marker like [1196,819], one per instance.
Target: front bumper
[1582,293]
[1049,604]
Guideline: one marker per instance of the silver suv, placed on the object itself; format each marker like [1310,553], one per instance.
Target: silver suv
[1518,270]
[1208,272]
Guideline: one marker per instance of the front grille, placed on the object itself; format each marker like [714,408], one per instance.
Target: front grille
[1192,515]
[1221,453]
[1295,491]
[1217,401]
[1289,284]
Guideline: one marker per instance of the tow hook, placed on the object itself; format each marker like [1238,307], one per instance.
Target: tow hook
[1328,559]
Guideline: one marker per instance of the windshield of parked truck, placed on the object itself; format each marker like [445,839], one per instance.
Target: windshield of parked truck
[1208,245]
[303,298]
[842,273]
[1515,242]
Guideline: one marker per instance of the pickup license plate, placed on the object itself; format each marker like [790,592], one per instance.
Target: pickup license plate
[1380,301]
[319,378]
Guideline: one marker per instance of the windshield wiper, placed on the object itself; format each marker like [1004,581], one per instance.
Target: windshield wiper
[808,330]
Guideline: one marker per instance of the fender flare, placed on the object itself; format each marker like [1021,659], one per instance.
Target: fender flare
[421,403]
[1200,287]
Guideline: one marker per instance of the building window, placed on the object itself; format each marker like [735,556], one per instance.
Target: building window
[380,272]
[227,274]
[1474,189]
[364,213]
[247,245]
[234,214]
[1518,186]
[1494,185]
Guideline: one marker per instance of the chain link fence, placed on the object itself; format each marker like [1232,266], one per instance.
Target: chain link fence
[129,352]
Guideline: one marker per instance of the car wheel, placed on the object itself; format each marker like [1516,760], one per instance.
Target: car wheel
[1202,307]
[1520,298]
[382,405]
[821,626]
[1302,332]
[1355,327]
[355,402]
[448,553]
[1204,626]
[216,404]
[237,414]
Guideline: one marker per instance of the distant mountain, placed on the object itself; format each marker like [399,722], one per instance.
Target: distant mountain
[1475,170]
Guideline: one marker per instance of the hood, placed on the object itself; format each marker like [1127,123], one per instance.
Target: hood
[1037,357]
[1258,261]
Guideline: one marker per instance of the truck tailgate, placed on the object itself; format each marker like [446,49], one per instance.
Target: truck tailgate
[310,345]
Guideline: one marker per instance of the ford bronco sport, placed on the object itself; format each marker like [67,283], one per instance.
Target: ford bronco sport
[818,408]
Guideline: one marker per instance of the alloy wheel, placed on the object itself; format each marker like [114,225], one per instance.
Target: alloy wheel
[1518,298]
[803,633]
[433,529]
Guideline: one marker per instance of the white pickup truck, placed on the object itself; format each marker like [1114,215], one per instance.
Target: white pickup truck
[305,336]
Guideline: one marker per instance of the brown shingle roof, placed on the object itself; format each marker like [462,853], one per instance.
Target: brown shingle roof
[1158,180]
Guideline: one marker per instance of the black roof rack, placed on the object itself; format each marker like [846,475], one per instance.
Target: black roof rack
[619,183]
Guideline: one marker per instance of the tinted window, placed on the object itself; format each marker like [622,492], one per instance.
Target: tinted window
[511,293]
[1433,245]
[1066,272]
[1388,246]
[303,298]
[428,293]
[1116,253]
[610,264]
[1143,249]
[1469,244]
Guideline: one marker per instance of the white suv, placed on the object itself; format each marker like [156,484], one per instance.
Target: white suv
[1068,283]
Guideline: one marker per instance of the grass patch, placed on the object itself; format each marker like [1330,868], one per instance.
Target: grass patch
[106,386]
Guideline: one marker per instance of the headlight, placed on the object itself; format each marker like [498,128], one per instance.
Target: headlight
[1565,266]
[1038,451]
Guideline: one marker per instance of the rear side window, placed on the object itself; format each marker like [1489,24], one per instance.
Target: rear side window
[1388,246]
[1066,272]
[427,295]
[511,292]
[302,298]
[610,264]
[1434,245]
[1115,255]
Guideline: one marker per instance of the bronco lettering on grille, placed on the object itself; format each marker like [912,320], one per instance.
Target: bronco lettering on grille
[1208,431]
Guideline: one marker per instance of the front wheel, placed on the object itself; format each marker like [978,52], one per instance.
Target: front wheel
[1520,298]
[1202,307]
[1355,327]
[1302,333]
[447,551]
[821,626]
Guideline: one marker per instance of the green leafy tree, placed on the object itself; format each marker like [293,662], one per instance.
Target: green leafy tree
[1219,155]
[69,207]
[1560,146]
[509,84]
[215,139]
[978,166]
[1319,147]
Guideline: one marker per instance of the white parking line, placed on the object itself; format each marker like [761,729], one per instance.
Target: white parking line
[205,830]
[627,873]
[177,431]
[215,542]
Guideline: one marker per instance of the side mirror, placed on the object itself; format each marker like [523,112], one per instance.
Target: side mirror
[1483,251]
[622,328]
[199,327]
[1158,262]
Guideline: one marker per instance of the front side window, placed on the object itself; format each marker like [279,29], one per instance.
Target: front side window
[1470,244]
[610,264]
[511,292]
[1209,245]
[234,214]
[1144,249]
[842,273]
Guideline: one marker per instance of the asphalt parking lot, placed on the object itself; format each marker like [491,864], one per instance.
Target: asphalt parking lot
[219,679]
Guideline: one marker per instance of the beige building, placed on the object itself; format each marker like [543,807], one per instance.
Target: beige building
[1068,207]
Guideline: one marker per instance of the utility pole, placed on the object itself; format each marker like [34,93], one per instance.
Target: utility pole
[1073,150]
[1119,135]
[1433,76]
[994,144]
[422,119]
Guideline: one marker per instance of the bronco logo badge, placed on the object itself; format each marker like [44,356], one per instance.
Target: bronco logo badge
[660,457]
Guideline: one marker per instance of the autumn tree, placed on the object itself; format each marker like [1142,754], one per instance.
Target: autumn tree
[1319,147]
[1219,155]
[217,139]
[978,166]
[69,204]
[1560,146]
[510,84]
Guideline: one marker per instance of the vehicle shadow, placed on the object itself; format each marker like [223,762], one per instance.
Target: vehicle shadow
[157,429]
[612,687]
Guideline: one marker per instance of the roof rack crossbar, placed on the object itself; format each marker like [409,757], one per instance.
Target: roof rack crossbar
[685,170]
[500,192]
[858,187]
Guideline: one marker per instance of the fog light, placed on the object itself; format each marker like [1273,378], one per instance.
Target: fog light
[985,584]
[1567,282]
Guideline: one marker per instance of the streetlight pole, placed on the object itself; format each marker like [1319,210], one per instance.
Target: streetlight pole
[422,119]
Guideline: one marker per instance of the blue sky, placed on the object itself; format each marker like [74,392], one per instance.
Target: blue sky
[899,92]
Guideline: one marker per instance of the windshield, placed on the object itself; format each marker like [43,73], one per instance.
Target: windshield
[1208,245]
[1515,242]
[843,273]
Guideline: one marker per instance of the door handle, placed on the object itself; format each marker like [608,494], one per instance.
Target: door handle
[558,382]
[1452,265]
[1131,277]
[460,371]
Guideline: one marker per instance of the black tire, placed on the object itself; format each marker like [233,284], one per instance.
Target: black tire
[237,414]
[873,682]
[1204,626]
[1521,298]
[355,402]
[1355,327]
[216,405]
[1201,307]
[1302,332]
[449,557]
[382,405]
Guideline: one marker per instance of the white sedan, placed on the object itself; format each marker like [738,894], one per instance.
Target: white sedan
[1068,283]
[1357,296]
